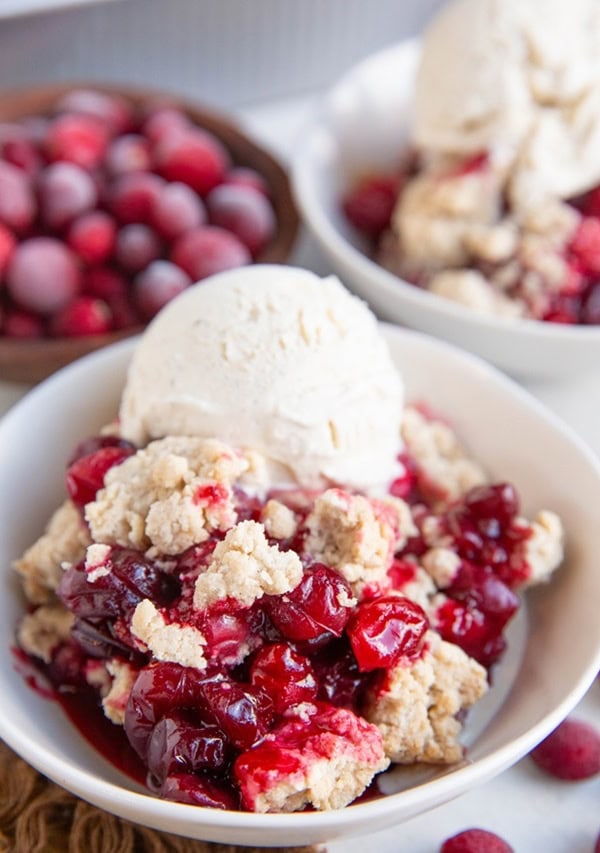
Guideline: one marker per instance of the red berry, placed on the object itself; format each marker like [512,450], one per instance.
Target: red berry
[104,283]
[208,250]
[85,477]
[43,275]
[285,675]
[475,841]
[571,752]
[243,712]
[21,324]
[597,847]
[590,313]
[158,284]
[84,316]
[245,212]
[110,109]
[369,205]
[21,152]
[127,154]
[17,202]
[163,122]
[585,244]
[137,246]
[241,176]
[194,157]
[197,790]
[7,247]
[77,138]
[124,313]
[133,196]
[384,631]
[176,210]
[92,236]
[66,191]
[177,745]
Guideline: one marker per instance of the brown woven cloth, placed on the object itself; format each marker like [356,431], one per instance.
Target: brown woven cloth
[36,816]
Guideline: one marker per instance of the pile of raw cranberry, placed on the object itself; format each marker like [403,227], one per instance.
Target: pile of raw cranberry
[107,212]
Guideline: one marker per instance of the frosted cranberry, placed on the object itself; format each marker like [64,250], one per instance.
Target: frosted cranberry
[314,607]
[137,246]
[165,121]
[590,314]
[104,283]
[370,204]
[112,109]
[475,841]
[208,250]
[585,244]
[98,442]
[7,247]
[127,154]
[124,313]
[133,196]
[198,791]
[285,675]
[245,212]
[241,176]
[22,324]
[17,202]
[497,501]
[177,745]
[85,476]
[571,752]
[92,236]
[21,152]
[65,191]
[35,128]
[158,284]
[385,631]
[243,713]
[194,157]
[83,316]
[43,275]
[176,210]
[79,139]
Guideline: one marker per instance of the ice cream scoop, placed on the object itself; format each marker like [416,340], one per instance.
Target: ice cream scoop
[277,360]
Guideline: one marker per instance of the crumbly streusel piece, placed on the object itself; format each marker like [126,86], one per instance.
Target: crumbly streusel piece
[64,541]
[472,289]
[441,564]
[544,550]
[245,567]
[114,702]
[279,520]
[169,495]
[168,641]
[357,536]
[416,709]
[40,632]
[445,470]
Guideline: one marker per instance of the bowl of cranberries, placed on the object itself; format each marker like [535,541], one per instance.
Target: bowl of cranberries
[411,242]
[215,739]
[112,201]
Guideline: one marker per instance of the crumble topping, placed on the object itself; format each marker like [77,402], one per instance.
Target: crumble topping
[441,564]
[64,541]
[472,289]
[279,520]
[114,702]
[42,631]
[245,567]
[182,644]
[96,561]
[544,550]
[416,709]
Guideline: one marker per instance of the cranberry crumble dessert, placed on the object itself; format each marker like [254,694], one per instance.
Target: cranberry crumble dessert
[498,209]
[272,576]
[109,210]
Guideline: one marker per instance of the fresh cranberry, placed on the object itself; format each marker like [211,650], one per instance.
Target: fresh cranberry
[245,212]
[137,247]
[85,476]
[242,176]
[21,152]
[127,154]
[111,109]
[285,675]
[194,157]
[124,312]
[43,275]
[243,713]
[97,442]
[79,139]
[92,237]
[104,283]
[176,210]
[370,204]
[385,631]
[158,284]
[315,607]
[133,197]
[590,313]
[22,324]
[165,122]
[208,250]
[178,745]
[81,317]
[585,244]
[198,790]
[571,752]
[7,247]
[65,191]
[475,841]
[17,202]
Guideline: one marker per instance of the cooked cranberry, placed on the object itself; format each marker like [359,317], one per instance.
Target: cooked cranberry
[591,308]
[198,790]
[98,639]
[384,631]
[340,681]
[498,501]
[403,486]
[370,204]
[196,558]
[7,247]
[22,324]
[315,607]
[92,236]
[81,317]
[285,674]
[79,139]
[208,250]
[178,745]
[137,246]
[467,626]
[194,157]
[585,244]
[475,841]
[133,196]
[42,275]
[245,212]
[66,669]
[160,282]
[127,154]
[176,210]
[97,442]
[243,713]
[65,192]
[85,476]
[108,108]
[17,202]
[571,752]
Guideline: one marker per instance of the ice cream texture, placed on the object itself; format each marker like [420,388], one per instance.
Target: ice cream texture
[276,360]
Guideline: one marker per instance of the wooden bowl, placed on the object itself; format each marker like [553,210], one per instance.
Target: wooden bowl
[33,360]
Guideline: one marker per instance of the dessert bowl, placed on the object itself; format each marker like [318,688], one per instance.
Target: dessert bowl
[32,359]
[362,127]
[554,650]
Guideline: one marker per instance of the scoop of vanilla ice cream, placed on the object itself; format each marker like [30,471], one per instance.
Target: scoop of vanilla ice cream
[520,79]
[277,360]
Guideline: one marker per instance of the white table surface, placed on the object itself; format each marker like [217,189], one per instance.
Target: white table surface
[531,811]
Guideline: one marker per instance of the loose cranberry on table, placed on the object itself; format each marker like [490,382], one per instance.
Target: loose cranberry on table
[475,841]
[571,752]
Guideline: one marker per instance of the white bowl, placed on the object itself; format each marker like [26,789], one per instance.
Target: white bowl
[554,653]
[362,126]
